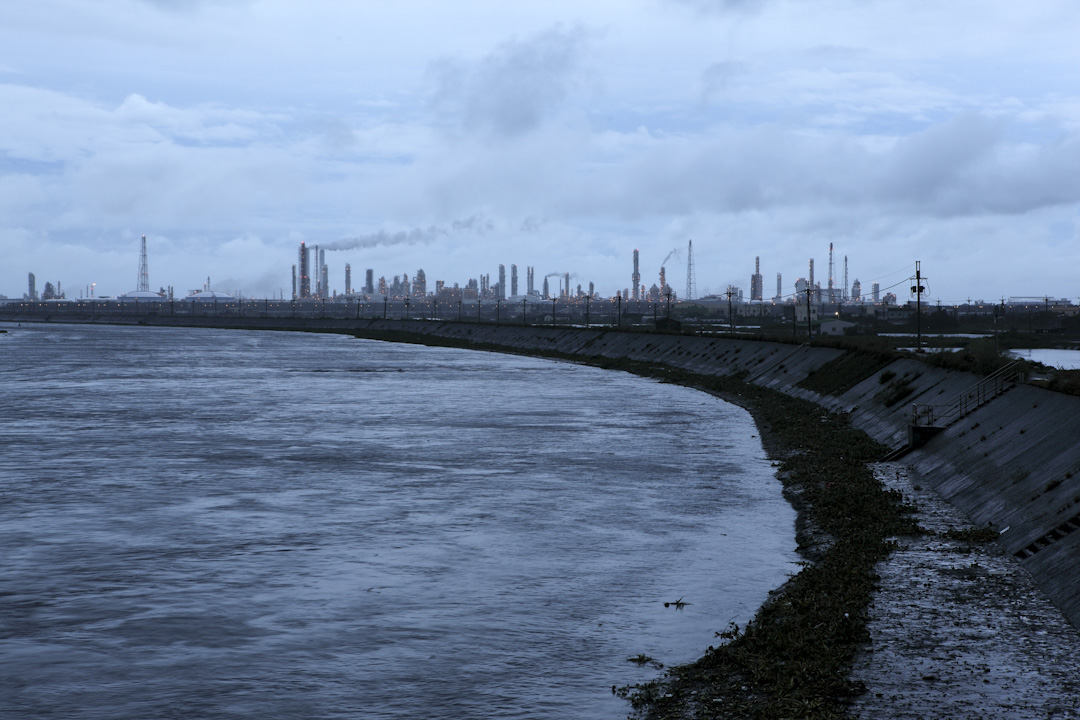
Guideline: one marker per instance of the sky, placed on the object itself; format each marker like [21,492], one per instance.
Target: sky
[561,135]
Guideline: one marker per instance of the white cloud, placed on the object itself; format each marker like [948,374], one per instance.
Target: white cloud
[226,129]
[514,88]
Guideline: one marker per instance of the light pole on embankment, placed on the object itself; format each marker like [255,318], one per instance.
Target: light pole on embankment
[917,290]
[809,328]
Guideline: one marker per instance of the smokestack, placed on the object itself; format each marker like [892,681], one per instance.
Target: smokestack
[305,277]
[636,276]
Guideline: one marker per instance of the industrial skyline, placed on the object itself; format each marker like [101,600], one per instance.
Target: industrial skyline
[413,284]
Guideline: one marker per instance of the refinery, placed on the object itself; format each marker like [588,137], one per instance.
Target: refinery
[834,303]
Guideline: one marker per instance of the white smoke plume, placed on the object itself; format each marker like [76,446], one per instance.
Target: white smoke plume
[417,236]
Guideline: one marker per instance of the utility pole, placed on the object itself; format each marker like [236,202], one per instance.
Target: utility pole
[918,288]
[809,327]
[730,316]
[586,311]
[524,310]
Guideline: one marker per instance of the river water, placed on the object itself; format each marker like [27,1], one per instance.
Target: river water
[228,524]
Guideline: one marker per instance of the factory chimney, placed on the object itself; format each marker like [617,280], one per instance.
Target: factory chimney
[635,278]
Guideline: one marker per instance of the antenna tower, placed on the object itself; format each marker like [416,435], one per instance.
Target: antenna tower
[691,276]
[144,270]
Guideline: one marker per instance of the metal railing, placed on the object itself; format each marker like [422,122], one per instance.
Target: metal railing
[966,402]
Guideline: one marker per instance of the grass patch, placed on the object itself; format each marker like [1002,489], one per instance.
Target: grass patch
[845,372]
[896,390]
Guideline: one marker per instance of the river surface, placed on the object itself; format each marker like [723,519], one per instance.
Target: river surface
[227,524]
[1063,359]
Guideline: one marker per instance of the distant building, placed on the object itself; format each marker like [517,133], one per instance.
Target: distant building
[32,295]
[835,327]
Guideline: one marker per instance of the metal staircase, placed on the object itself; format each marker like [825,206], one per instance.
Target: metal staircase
[982,392]
[928,420]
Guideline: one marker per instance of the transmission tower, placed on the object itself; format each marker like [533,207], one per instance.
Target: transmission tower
[691,276]
[144,270]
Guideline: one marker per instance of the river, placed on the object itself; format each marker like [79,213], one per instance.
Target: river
[230,524]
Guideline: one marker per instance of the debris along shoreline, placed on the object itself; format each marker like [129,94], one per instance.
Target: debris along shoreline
[794,658]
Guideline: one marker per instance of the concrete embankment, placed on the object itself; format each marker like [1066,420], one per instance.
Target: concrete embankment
[1013,462]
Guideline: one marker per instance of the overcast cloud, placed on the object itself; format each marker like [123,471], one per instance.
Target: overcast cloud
[453,139]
